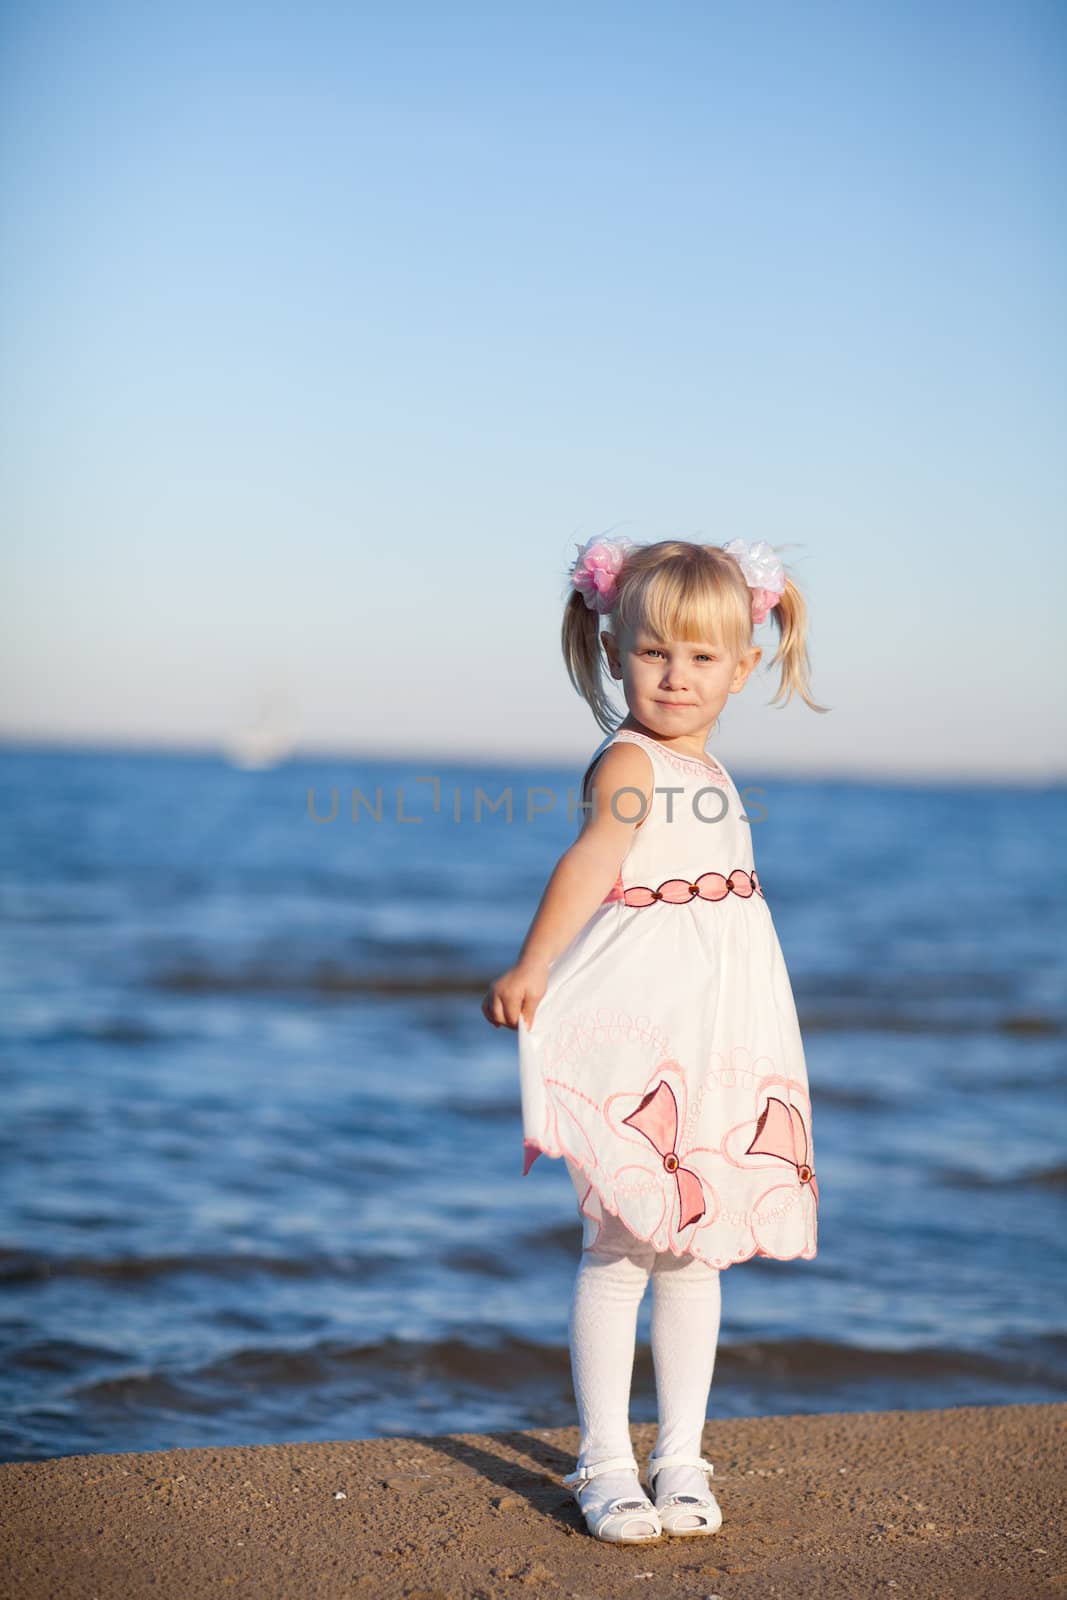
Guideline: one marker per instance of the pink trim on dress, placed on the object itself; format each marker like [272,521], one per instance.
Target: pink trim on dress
[530,1153]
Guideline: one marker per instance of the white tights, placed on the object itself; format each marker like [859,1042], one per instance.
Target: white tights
[686,1304]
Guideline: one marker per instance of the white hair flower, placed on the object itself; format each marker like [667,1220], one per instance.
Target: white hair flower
[763,572]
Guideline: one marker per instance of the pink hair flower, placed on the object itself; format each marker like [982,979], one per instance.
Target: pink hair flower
[595,572]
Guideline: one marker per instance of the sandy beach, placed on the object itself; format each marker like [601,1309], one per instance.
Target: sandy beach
[967,1502]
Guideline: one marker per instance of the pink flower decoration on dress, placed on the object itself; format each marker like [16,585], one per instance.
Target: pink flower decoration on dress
[763,572]
[657,1118]
[595,572]
[781,1132]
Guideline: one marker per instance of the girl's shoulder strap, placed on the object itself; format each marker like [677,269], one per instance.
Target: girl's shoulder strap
[688,766]
[670,761]
[601,749]
[661,759]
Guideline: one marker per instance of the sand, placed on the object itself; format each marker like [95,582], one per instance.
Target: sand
[968,1502]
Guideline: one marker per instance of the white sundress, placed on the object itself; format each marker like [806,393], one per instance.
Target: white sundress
[665,1063]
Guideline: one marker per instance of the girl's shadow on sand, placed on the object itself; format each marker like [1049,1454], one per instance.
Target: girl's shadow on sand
[538,1483]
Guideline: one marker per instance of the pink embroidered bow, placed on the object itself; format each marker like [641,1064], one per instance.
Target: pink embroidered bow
[781,1132]
[657,1118]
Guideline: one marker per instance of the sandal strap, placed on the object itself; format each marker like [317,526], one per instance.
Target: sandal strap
[611,1464]
[656,1462]
[624,1512]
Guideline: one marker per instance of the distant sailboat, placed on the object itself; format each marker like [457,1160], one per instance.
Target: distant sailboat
[265,742]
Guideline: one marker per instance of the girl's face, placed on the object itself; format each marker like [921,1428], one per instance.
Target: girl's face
[676,687]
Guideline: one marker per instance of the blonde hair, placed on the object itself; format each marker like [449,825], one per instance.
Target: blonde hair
[679,590]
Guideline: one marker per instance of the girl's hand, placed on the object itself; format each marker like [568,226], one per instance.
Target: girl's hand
[514,994]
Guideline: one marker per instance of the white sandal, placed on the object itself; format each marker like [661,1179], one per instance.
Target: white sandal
[611,1522]
[702,1512]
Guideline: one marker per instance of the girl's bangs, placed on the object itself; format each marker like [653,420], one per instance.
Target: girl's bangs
[697,607]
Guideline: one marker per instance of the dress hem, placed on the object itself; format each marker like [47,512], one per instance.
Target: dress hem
[532,1148]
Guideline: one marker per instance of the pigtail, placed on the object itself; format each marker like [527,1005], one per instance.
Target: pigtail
[581,652]
[790,616]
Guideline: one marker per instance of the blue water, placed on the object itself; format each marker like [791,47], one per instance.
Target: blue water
[261,1153]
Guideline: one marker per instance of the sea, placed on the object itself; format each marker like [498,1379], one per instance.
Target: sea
[261,1153]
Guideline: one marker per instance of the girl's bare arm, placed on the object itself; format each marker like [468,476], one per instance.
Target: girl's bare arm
[580,880]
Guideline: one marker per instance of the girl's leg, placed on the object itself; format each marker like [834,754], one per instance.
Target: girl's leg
[686,1310]
[608,1288]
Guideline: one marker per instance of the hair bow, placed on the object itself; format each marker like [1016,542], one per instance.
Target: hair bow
[763,572]
[595,572]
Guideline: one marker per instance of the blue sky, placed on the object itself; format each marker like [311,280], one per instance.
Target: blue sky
[329,331]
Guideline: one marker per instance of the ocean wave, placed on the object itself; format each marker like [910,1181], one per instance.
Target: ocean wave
[27,1266]
[507,1363]
[1053,1177]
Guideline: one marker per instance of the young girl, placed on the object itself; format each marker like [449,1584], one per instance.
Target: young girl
[659,1050]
